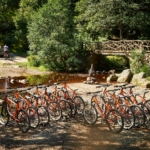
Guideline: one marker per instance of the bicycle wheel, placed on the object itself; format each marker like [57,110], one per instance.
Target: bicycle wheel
[146,112]
[90,114]
[23,121]
[4,115]
[43,115]
[61,94]
[33,116]
[73,106]
[80,104]
[139,115]
[54,110]
[128,116]
[65,108]
[147,104]
[115,121]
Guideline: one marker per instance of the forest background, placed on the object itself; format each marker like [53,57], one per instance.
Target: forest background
[52,32]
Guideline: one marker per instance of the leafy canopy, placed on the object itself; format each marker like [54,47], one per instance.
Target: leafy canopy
[52,37]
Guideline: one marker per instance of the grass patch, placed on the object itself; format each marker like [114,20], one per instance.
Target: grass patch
[148,78]
[41,68]
[22,64]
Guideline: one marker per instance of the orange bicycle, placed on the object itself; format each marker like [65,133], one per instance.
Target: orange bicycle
[11,106]
[112,117]
[137,99]
[68,93]
[45,99]
[139,117]
[42,110]
[111,97]
[66,105]
[25,104]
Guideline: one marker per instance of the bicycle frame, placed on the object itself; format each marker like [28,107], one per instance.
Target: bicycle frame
[100,111]
[8,101]
[66,87]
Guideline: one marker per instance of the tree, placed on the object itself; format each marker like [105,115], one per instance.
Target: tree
[7,27]
[52,37]
[123,19]
[26,9]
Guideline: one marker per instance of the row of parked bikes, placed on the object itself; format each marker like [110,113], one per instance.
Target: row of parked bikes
[120,108]
[36,105]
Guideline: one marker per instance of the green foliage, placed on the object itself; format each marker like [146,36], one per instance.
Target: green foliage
[145,68]
[7,27]
[115,62]
[138,63]
[22,16]
[107,18]
[34,61]
[22,64]
[52,37]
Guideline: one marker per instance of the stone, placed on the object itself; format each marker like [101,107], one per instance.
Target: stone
[91,79]
[125,76]
[137,77]
[112,77]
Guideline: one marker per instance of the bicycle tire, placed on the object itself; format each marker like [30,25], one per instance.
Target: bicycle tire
[90,114]
[23,120]
[80,104]
[147,104]
[61,94]
[33,116]
[65,108]
[115,121]
[4,115]
[139,115]
[128,116]
[146,112]
[55,111]
[43,115]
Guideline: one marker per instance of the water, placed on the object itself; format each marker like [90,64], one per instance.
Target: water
[45,79]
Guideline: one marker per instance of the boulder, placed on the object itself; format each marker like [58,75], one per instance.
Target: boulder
[125,76]
[137,77]
[143,83]
[111,78]
[140,80]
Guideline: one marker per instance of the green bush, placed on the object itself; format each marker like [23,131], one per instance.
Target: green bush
[33,61]
[138,63]
[115,62]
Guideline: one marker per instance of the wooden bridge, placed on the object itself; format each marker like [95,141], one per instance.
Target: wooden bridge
[118,47]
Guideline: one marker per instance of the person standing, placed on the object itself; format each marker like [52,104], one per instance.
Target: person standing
[5,48]
[6,51]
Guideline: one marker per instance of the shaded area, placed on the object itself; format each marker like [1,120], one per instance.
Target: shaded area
[74,134]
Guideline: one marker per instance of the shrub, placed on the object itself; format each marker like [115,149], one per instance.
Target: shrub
[33,60]
[138,63]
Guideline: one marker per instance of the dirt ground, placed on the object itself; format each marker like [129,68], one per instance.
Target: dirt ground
[71,134]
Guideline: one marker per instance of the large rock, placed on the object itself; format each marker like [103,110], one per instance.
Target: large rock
[143,83]
[111,78]
[140,80]
[137,77]
[125,76]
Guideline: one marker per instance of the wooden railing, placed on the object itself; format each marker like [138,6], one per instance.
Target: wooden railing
[118,47]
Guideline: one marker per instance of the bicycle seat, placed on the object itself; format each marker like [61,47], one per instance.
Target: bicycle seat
[131,86]
[121,84]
